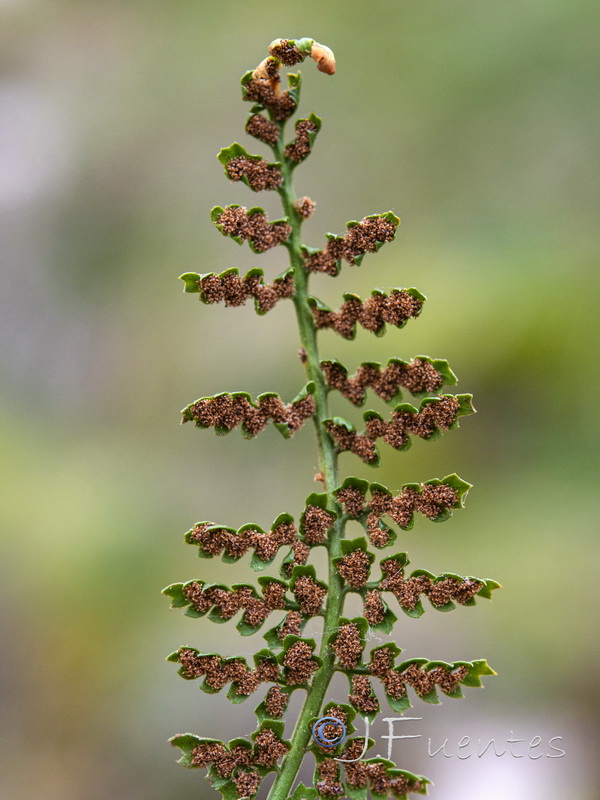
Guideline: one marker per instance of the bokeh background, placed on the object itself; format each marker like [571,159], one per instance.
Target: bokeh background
[477,124]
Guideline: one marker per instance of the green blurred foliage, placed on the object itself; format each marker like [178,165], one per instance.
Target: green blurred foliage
[477,124]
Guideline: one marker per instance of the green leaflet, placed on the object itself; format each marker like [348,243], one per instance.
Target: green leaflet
[303,793]
[423,676]
[236,150]
[257,173]
[186,742]
[227,411]
[262,711]
[301,146]
[250,225]
[360,623]
[427,422]
[294,86]
[217,672]
[386,625]
[401,508]
[292,645]
[414,783]
[381,306]
[396,373]
[273,637]
[461,589]
[201,598]
[228,287]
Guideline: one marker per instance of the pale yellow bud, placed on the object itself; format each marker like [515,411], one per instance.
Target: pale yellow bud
[324,57]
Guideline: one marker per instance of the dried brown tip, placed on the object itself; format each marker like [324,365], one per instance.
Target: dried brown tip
[318,477]
[267,71]
[324,57]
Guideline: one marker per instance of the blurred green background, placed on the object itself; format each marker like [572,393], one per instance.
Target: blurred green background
[477,124]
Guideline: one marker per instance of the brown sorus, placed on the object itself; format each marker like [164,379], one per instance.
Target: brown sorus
[263,129]
[348,646]
[300,148]
[304,207]
[395,309]
[299,664]
[315,524]
[354,568]
[259,174]
[309,595]
[417,376]
[276,702]
[362,697]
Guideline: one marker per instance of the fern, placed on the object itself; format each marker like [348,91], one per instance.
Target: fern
[292,662]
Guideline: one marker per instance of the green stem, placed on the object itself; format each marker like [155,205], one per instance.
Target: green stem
[328,466]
